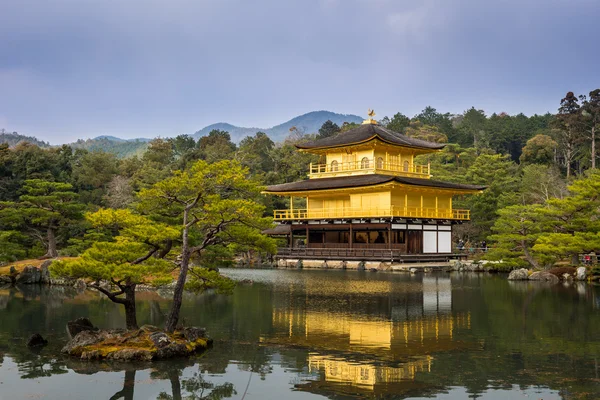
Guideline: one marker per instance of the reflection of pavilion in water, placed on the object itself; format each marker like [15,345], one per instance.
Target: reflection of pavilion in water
[371,341]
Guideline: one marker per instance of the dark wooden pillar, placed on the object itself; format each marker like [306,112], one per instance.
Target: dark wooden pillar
[390,235]
[350,237]
[291,237]
[306,235]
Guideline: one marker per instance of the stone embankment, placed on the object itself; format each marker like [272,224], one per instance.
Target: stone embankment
[37,275]
[27,275]
[553,275]
[454,265]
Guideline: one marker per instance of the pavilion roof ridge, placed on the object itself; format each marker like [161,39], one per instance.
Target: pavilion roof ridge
[354,181]
[367,132]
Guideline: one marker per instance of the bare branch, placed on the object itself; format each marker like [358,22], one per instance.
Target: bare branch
[173,199]
[109,294]
[193,203]
[147,256]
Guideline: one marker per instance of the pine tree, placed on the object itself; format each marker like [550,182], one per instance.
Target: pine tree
[213,204]
[42,210]
[126,261]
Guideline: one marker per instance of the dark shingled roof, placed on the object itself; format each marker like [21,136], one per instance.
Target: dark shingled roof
[367,132]
[278,230]
[364,180]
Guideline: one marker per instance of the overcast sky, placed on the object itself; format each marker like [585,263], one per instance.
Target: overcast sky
[143,68]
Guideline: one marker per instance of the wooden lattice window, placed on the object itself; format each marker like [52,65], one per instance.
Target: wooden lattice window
[364,163]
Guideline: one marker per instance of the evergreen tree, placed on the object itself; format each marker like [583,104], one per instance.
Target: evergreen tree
[213,204]
[540,149]
[572,222]
[569,127]
[328,129]
[44,208]
[591,116]
[515,233]
[126,261]
[398,123]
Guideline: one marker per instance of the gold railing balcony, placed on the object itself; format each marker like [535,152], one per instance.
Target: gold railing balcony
[368,166]
[375,212]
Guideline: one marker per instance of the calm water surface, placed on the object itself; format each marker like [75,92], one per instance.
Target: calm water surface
[326,334]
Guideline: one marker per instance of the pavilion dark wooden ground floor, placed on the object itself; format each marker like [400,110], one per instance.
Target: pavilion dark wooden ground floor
[368,240]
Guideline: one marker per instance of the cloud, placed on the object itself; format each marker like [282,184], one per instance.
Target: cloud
[148,67]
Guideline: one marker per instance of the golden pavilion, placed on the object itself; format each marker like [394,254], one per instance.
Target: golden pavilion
[369,200]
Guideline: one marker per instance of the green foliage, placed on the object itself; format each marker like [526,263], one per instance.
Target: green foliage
[42,210]
[541,183]
[430,133]
[13,139]
[120,260]
[516,230]
[91,175]
[558,228]
[202,279]
[540,149]
[328,129]
[221,201]
[122,149]
[557,246]
[501,177]
[398,123]
[430,116]
[216,146]
[13,246]
[255,153]
[472,129]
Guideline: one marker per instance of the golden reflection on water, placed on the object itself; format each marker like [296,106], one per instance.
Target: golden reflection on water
[366,375]
[350,345]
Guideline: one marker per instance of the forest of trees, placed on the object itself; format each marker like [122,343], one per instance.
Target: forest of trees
[48,194]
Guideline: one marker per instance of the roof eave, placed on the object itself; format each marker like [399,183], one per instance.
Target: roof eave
[374,137]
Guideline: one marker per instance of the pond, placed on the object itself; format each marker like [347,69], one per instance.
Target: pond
[299,334]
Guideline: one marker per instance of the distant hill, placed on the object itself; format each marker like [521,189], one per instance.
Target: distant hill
[14,138]
[120,147]
[308,123]
[237,133]
[123,148]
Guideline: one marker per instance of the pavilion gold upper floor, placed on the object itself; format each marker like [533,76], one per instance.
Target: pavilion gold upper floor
[374,157]
[382,201]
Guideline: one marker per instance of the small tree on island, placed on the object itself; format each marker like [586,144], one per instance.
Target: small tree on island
[127,261]
[213,204]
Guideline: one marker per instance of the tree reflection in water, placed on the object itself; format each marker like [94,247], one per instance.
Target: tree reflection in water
[197,388]
[192,388]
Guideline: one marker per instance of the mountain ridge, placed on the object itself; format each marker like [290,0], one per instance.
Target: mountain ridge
[307,123]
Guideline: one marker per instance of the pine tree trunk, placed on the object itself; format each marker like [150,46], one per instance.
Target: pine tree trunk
[130,315]
[128,386]
[593,147]
[528,256]
[52,252]
[175,384]
[165,250]
[173,317]
[575,259]
[568,162]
